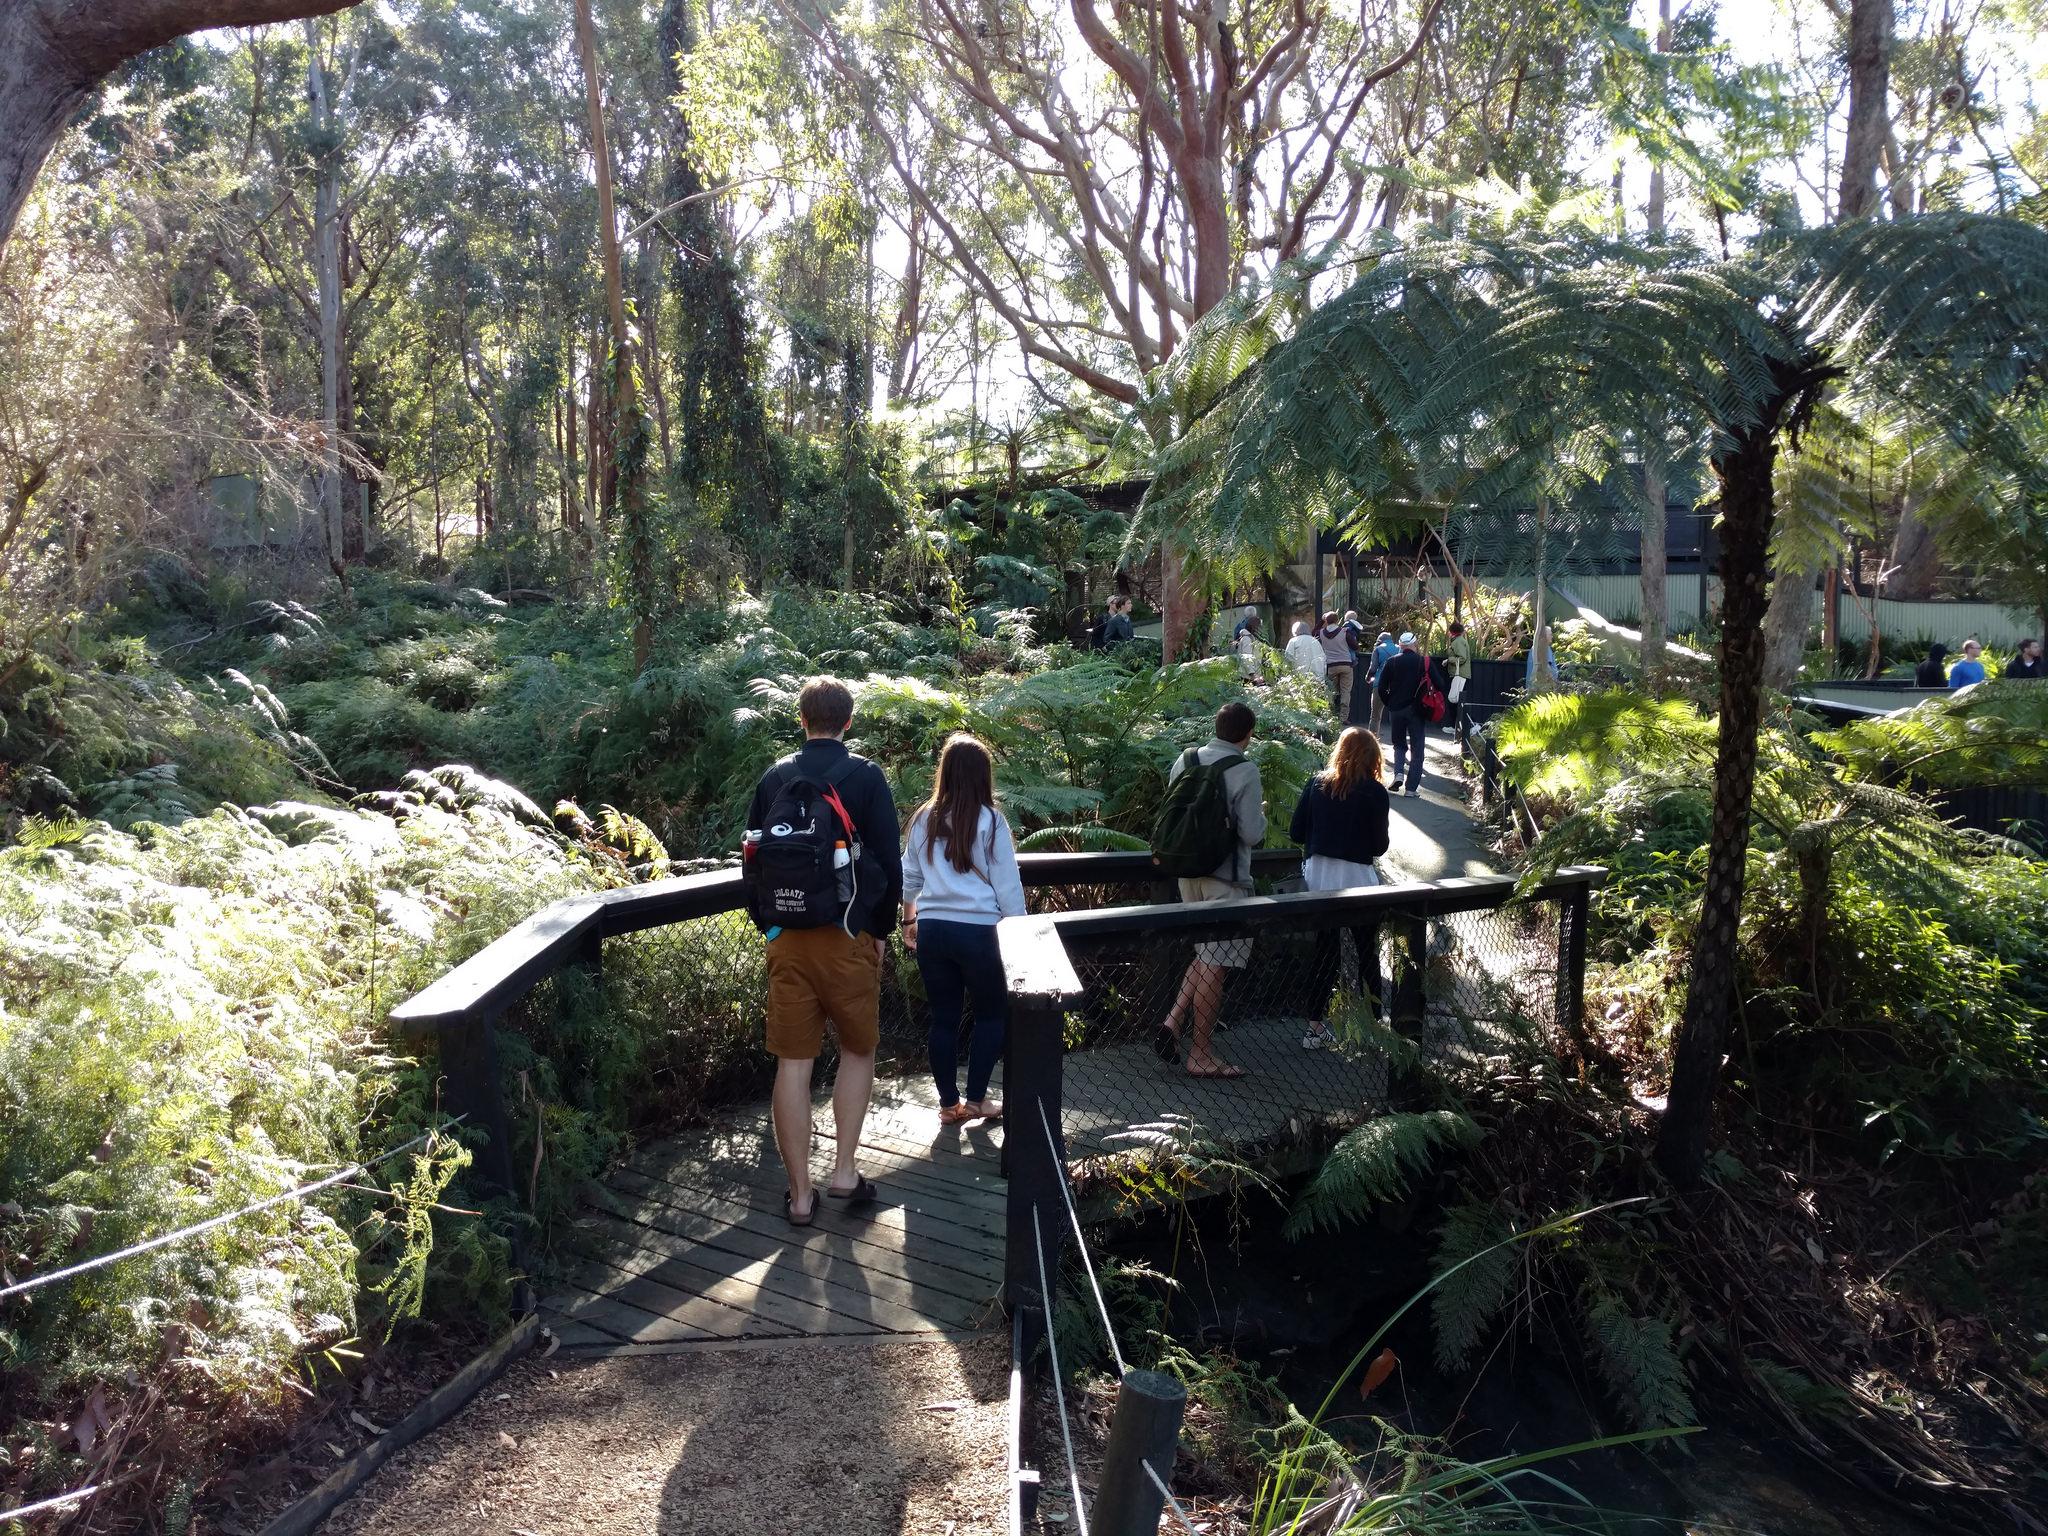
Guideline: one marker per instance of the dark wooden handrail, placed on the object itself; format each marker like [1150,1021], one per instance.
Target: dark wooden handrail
[567,932]
[1312,909]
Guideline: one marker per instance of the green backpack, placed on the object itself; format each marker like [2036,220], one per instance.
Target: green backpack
[1194,833]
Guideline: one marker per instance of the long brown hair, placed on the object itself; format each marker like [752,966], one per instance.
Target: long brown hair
[1355,758]
[966,786]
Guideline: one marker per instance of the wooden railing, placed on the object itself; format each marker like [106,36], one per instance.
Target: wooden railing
[462,1010]
[1045,986]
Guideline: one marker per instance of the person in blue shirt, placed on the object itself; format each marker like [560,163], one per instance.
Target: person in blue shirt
[1384,650]
[1969,670]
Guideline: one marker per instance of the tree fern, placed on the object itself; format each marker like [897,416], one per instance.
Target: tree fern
[1470,1299]
[1374,1164]
[1638,1361]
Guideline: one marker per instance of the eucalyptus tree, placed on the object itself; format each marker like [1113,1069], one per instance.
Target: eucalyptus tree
[1133,165]
[1501,371]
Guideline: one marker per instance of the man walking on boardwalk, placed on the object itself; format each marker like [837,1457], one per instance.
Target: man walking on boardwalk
[824,874]
[1400,690]
[1221,778]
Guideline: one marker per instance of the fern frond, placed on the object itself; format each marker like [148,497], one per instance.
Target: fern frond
[1638,1361]
[1470,1299]
[1376,1163]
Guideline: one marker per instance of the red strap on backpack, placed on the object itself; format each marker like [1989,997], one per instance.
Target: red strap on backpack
[839,808]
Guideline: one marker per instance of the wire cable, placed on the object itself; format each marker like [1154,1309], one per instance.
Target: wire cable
[45,1506]
[35,1282]
[1080,1241]
[1167,1494]
[1059,1390]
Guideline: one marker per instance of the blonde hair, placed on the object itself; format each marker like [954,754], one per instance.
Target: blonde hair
[1355,758]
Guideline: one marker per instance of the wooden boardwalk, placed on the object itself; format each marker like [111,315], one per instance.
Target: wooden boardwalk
[685,1242]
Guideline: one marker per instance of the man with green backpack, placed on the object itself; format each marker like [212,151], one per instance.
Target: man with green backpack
[1213,817]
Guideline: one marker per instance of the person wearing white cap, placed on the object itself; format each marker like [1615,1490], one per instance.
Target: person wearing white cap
[1400,690]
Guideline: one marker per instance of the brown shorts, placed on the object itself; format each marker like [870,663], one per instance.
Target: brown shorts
[819,973]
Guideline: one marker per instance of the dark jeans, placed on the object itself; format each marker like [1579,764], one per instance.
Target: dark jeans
[958,960]
[1329,965]
[1406,726]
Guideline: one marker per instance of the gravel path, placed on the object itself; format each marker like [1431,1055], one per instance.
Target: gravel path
[897,1439]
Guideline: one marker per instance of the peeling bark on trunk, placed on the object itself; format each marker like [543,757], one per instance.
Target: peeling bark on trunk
[54,53]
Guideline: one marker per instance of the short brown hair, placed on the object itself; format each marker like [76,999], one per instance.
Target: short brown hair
[825,705]
[1234,721]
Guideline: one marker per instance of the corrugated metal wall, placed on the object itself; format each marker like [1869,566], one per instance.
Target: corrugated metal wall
[1620,598]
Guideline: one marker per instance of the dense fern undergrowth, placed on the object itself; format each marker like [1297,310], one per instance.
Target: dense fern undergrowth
[237,835]
[1864,1271]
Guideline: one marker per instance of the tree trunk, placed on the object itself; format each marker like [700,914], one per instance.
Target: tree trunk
[327,268]
[629,425]
[1788,620]
[1790,616]
[1656,604]
[1746,510]
[1870,51]
[54,53]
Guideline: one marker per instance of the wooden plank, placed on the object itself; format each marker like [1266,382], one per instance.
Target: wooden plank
[708,1170]
[913,1269]
[843,1287]
[755,1185]
[637,1325]
[1035,962]
[669,1285]
[976,1256]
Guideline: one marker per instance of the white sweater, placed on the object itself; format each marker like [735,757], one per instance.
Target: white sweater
[992,889]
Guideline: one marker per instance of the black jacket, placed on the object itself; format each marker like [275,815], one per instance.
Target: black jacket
[2018,668]
[868,801]
[1353,828]
[1401,680]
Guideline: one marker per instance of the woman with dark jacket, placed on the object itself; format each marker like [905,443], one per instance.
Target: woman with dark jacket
[1341,824]
[1931,673]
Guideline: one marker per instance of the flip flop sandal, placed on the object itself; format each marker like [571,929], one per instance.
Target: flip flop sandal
[789,1214]
[1226,1074]
[860,1194]
[1165,1044]
[955,1114]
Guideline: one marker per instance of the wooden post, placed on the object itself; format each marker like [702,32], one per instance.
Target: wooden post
[1411,1005]
[469,1070]
[1144,1431]
[1041,984]
[1572,911]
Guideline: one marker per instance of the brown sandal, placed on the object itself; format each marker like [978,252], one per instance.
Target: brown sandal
[789,1209]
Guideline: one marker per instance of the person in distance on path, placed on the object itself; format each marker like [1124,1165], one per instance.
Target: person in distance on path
[1305,653]
[959,880]
[1400,690]
[2027,661]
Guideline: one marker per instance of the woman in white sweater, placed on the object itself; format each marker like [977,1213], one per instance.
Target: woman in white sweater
[959,877]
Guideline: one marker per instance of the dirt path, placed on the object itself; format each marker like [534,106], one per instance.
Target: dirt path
[851,1439]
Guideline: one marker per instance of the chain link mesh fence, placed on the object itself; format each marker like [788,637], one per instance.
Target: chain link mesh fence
[1254,1031]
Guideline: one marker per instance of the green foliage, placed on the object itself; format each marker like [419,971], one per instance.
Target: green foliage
[1374,1164]
[1638,1359]
[1995,733]
[1478,1265]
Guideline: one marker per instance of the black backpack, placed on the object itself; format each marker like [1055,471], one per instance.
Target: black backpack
[1194,832]
[807,867]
